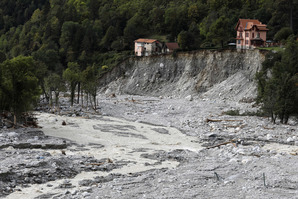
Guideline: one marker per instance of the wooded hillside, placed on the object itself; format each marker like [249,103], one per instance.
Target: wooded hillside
[56,32]
[78,40]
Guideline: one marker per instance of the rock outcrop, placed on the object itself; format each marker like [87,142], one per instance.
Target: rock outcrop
[215,73]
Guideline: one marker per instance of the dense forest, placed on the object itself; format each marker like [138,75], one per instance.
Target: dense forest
[56,32]
[77,40]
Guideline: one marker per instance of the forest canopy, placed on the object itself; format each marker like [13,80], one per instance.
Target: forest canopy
[56,32]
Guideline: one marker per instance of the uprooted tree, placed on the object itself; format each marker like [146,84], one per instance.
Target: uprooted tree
[19,88]
[278,83]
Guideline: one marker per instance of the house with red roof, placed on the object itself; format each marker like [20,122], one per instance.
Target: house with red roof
[171,47]
[251,33]
[146,47]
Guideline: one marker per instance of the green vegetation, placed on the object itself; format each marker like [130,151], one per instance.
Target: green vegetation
[283,34]
[278,82]
[73,78]
[18,85]
[73,39]
[57,32]
[274,48]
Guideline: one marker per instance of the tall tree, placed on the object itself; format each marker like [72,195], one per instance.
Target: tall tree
[54,83]
[277,82]
[72,76]
[219,31]
[19,85]
[90,78]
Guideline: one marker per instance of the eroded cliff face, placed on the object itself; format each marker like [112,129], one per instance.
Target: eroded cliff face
[224,74]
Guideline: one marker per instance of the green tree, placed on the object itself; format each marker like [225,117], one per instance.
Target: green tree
[185,40]
[277,83]
[90,78]
[109,37]
[219,31]
[54,83]
[2,57]
[72,76]
[70,40]
[19,85]
[283,34]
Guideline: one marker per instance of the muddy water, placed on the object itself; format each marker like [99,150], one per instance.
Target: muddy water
[121,140]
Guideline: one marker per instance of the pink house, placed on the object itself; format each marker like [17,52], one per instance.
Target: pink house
[251,33]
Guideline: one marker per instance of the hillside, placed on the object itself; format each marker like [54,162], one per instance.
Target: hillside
[56,32]
[221,74]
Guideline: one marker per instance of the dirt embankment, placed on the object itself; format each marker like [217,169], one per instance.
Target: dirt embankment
[187,74]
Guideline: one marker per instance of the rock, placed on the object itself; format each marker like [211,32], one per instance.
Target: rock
[67,192]
[85,183]
[63,123]
[290,139]
[74,192]
[246,160]
[234,160]
[85,194]
[88,189]
[12,134]
[66,184]
[269,137]
[54,120]
[189,98]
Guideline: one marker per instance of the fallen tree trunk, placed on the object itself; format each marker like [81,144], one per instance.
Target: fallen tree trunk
[212,120]
[221,144]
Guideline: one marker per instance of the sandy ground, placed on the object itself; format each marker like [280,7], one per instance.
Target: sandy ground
[165,144]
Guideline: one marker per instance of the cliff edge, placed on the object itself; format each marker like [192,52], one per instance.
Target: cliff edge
[226,74]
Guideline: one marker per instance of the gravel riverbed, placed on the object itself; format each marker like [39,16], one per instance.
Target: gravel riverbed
[150,147]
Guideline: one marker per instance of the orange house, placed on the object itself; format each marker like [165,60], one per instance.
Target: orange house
[251,33]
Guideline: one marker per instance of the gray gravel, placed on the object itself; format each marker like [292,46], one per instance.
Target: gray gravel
[259,159]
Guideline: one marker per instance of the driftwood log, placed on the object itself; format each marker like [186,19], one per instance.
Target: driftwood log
[212,120]
[221,144]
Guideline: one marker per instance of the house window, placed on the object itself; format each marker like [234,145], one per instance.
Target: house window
[239,41]
[246,41]
[258,35]
[253,35]
[246,34]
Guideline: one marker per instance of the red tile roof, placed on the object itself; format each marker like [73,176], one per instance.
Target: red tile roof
[247,24]
[262,27]
[172,46]
[146,40]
